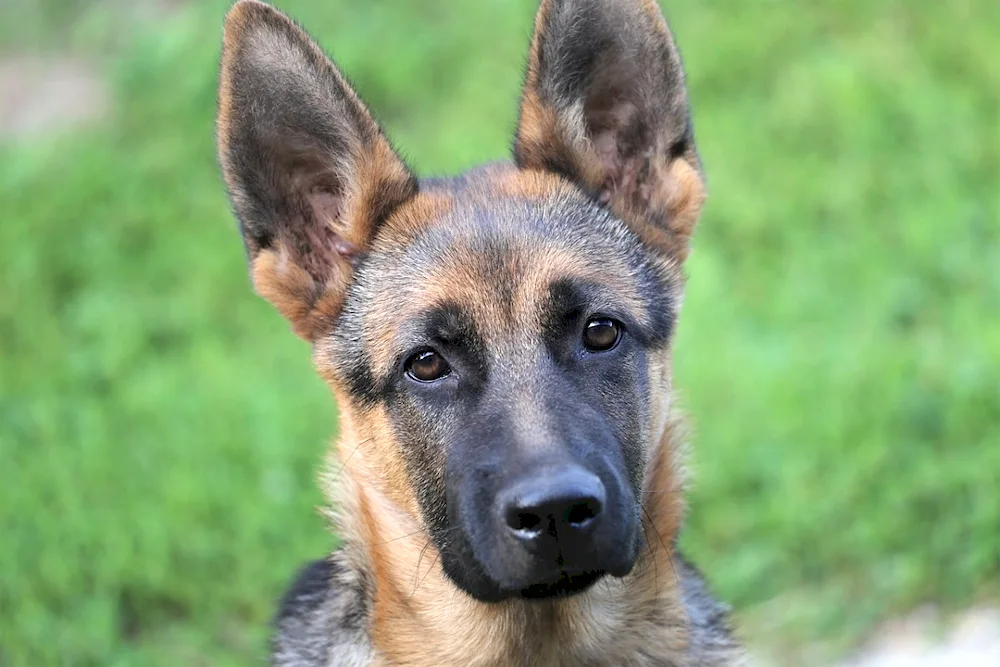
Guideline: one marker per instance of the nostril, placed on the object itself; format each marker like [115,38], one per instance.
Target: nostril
[524,522]
[528,521]
[580,514]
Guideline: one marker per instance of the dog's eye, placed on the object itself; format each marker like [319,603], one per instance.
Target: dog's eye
[601,334]
[427,366]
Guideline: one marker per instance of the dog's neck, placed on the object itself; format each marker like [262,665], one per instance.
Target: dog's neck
[417,615]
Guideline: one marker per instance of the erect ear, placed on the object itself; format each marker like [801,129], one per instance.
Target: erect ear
[604,104]
[309,173]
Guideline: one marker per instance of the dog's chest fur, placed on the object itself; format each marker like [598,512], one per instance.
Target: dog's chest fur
[324,619]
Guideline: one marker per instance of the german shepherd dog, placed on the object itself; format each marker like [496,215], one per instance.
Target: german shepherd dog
[509,473]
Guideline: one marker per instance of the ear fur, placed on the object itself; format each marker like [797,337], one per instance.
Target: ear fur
[605,105]
[310,174]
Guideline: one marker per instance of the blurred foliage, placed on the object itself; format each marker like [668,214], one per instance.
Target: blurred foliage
[160,429]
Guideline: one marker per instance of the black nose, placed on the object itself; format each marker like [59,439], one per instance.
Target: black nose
[553,504]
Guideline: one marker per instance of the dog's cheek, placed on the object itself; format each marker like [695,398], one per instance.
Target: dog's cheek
[420,441]
[625,400]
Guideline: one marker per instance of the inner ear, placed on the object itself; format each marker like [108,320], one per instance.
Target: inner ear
[618,138]
[322,196]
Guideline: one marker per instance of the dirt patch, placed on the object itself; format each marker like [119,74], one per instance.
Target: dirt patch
[41,96]
[972,639]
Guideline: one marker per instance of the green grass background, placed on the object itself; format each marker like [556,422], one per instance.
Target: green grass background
[839,353]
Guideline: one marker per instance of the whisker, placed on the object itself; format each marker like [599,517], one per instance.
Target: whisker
[416,573]
[401,537]
[438,555]
[416,532]
[659,537]
[656,569]
[353,451]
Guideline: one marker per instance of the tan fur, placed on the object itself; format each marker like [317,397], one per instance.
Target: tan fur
[526,183]
[310,308]
[413,217]
[678,189]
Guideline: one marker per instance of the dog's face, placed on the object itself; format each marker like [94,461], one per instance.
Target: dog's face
[498,342]
[506,346]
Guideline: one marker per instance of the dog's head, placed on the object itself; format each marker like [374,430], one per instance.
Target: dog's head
[498,342]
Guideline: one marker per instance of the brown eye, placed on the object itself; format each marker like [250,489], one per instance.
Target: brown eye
[427,366]
[601,334]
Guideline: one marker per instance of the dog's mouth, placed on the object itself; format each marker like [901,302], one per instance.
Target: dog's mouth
[568,583]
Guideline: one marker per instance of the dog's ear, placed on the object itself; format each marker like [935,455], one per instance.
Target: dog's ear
[605,105]
[309,173]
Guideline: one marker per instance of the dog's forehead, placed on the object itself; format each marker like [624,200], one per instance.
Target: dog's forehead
[500,237]
[498,246]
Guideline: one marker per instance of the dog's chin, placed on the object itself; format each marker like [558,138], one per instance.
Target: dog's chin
[489,581]
[565,585]
[568,583]
[484,589]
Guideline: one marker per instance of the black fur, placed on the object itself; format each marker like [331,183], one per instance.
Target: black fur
[322,615]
